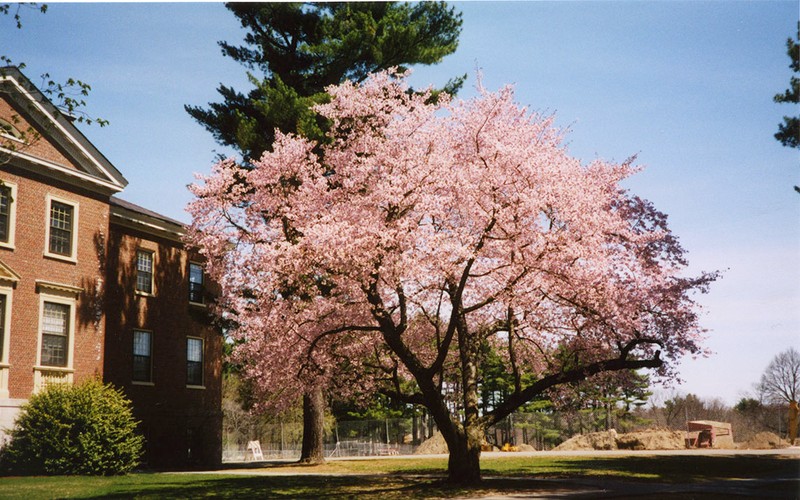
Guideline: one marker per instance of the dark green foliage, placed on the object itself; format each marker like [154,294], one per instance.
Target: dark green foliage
[604,401]
[789,131]
[302,48]
[84,429]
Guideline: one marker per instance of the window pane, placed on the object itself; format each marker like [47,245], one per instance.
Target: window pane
[194,361]
[54,350]
[194,350]
[141,343]
[5,212]
[55,319]
[194,374]
[142,349]
[55,331]
[60,228]
[195,283]
[144,272]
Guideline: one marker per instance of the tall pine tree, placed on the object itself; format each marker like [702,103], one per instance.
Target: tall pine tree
[789,131]
[299,49]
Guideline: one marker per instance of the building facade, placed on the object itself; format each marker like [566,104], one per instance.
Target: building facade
[160,346]
[93,286]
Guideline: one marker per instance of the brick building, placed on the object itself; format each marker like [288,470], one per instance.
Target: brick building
[94,286]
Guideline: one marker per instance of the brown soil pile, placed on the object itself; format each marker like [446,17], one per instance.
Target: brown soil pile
[763,441]
[651,440]
[593,441]
[655,439]
[434,445]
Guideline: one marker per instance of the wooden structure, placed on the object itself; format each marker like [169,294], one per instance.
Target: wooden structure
[709,434]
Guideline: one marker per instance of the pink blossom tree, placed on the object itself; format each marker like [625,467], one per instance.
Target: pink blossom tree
[427,231]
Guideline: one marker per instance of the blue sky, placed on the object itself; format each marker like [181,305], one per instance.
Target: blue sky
[686,86]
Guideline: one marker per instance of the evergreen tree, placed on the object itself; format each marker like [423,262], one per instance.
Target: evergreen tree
[300,49]
[789,131]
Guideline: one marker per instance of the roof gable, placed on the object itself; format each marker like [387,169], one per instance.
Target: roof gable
[58,149]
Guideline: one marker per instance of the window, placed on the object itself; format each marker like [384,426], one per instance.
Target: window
[2,327]
[144,271]
[61,219]
[55,334]
[194,361]
[5,313]
[8,193]
[196,288]
[142,356]
[62,229]
[5,213]
[56,345]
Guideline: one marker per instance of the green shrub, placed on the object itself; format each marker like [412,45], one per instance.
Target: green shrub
[82,429]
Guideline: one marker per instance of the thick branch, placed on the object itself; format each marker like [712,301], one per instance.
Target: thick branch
[341,329]
[455,300]
[519,398]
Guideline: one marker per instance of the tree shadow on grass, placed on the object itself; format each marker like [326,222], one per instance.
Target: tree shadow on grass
[299,486]
[392,487]
[669,469]
[619,477]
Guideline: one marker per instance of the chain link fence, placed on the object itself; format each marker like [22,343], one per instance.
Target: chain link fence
[360,438]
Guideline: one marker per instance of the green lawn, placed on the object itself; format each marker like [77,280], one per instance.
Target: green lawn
[421,478]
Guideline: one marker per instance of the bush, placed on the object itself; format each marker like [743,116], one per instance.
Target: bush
[83,429]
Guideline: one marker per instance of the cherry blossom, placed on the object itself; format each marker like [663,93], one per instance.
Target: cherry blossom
[425,229]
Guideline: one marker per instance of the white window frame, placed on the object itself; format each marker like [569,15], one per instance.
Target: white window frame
[133,343]
[202,363]
[73,257]
[152,291]
[7,291]
[12,215]
[44,375]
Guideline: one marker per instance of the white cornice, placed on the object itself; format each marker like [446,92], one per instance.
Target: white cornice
[150,225]
[77,174]
[111,178]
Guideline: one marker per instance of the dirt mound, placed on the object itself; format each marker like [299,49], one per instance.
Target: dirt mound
[651,440]
[654,439]
[593,441]
[434,445]
[764,441]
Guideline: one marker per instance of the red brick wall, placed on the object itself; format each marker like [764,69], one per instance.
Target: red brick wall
[182,425]
[27,260]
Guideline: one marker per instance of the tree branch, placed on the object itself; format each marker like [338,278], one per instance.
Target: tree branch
[518,398]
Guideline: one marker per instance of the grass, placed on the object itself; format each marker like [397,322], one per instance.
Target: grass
[422,478]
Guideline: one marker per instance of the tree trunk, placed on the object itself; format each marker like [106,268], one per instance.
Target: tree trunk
[313,451]
[414,429]
[463,465]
